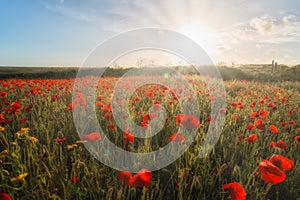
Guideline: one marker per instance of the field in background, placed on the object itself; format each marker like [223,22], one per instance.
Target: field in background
[245,72]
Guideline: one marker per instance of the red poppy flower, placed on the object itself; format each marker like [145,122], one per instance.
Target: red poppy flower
[297,138]
[109,116]
[144,124]
[74,179]
[142,178]
[282,162]
[253,115]
[151,94]
[187,121]
[251,138]
[3,94]
[240,105]
[2,119]
[283,99]
[235,117]
[125,177]
[149,116]
[92,136]
[71,106]
[292,123]
[234,103]
[99,104]
[99,97]
[4,196]
[137,98]
[177,137]
[253,104]
[279,144]
[236,191]
[274,129]
[290,112]
[263,113]
[108,108]
[250,127]
[271,104]
[260,124]
[111,126]
[61,140]
[270,173]
[15,107]
[128,136]
[272,144]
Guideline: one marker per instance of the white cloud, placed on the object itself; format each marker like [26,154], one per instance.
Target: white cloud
[263,25]
[266,29]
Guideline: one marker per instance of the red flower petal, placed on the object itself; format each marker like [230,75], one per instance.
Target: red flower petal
[274,129]
[74,179]
[260,124]
[4,196]
[187,121]
[271,173]
[125,177]
[282,162]
[297,138]
[61,140]
[142,178]
[237,192]
[251,138]
[177,137]
[92,136]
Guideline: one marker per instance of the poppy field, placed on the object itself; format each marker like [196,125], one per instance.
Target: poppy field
[256,157]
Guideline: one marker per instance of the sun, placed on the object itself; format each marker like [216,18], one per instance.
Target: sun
[190,30]
[200,34]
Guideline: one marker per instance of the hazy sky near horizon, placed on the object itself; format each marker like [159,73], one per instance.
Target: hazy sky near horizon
[63,32]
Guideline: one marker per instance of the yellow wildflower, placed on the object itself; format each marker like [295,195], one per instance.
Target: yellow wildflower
[80,141]
[71,146]
[33,139]
[25,130]
[2,128]
[19,178]
[22,132]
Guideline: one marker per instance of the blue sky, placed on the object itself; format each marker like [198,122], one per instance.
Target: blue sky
[63,32]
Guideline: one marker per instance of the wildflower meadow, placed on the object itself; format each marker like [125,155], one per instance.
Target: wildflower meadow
[42,156]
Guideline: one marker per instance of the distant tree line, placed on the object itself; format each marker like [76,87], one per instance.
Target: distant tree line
[227,73]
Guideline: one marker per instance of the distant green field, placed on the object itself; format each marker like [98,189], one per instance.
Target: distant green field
[16,70]
[37,72]
[247,72]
